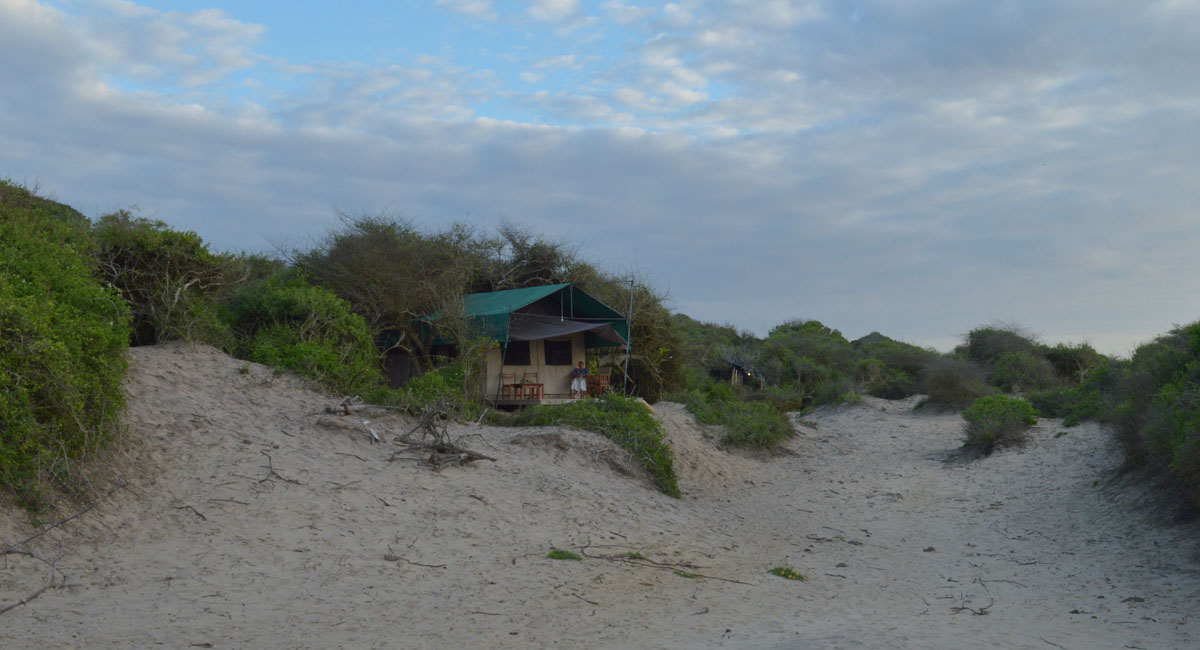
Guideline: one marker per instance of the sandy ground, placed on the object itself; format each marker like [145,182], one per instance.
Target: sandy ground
[904,544]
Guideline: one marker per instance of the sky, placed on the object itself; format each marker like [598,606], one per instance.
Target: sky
[916,168]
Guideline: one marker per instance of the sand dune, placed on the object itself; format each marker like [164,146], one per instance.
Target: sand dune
[248,520]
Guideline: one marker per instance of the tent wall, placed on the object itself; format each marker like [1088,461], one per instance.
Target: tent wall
[555,379]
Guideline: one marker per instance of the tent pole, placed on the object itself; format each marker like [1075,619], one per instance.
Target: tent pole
[628,337]
[500,376]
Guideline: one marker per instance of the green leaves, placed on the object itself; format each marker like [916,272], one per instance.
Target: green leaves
[63,338]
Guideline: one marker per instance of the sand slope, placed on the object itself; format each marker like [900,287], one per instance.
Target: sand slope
[205,547]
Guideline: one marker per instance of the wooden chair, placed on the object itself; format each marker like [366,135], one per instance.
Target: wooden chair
[508,382]
[598,384]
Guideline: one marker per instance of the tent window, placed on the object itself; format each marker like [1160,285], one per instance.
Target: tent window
[517,353]
[558,353]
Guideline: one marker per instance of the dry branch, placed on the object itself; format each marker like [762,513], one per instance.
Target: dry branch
[433,426]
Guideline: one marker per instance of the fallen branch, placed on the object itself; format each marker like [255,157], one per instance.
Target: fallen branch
[63,521]
[433,426]
[53,583]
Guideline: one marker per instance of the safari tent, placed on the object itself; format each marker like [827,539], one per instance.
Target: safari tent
[543,332]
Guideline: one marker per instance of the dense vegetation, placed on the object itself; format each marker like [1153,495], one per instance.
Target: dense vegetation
[75,294]
[62,346]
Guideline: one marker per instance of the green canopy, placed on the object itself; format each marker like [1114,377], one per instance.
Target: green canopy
[542,312]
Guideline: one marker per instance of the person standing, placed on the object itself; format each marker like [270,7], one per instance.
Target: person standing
[579,381]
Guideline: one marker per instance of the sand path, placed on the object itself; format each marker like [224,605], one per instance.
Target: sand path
[903,545]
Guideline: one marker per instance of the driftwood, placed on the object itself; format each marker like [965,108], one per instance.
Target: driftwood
[433,427]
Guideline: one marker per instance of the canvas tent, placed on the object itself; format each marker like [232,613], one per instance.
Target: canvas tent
[542,330]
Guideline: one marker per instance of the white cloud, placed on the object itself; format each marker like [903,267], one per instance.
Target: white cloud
[552,11]
[480,9]
[928,152]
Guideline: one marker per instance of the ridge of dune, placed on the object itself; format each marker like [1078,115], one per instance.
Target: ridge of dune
[249,519]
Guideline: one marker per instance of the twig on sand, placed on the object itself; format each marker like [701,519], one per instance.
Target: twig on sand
[271,473]
[590,602]
[625,559]
[982,611]
[1055,644]
[56,524]
[390,556]
[193,509]
[53,583]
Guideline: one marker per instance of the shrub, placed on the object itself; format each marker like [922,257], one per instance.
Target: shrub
[756,425]
[288,324]
[1016,372]
[985,345]
[1093,399]
[1073,362]
[168,277]
[749,420]
[997,421]
[953,383]
[1159,416]
[62,346]
[624,420]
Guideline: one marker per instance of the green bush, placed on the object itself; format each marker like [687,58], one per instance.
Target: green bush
[63,339]
[756,425]
[1073,362]
[1159,416]
[953,383]
[168,277]
[1093,399]
[985,345]
[286,323]
[1017,372]
[751,419]
[624,420]
[997,421]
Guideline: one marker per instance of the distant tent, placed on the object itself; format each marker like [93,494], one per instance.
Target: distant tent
[543,333]
[535,313]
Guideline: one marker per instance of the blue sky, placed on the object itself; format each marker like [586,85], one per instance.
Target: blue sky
[916,168]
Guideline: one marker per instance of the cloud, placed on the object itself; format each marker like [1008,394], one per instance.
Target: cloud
[478,9]
[553,11]
[913,168]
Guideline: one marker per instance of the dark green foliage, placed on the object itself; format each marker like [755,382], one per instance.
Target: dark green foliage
[168,277]
[63,339]
[812,340]
[954,383]
[1093,399]
[284,322]
[997,421]
[391,273]
[1159,416]
[985,345]
[1019,372]
[624,420]
[1072,363]
[756,424]
[657,360]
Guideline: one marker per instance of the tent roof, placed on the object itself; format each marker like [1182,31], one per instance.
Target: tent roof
[541,312]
